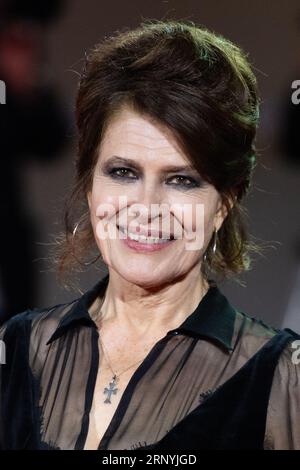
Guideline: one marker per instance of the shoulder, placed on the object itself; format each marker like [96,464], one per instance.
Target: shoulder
[283,425]
[34,323]
[251,334]
[288,368]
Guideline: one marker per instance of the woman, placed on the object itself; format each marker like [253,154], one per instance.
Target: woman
[154,356]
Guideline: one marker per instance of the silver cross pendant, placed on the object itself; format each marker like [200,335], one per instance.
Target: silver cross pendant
[111,390]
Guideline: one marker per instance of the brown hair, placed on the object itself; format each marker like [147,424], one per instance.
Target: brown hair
[195,83]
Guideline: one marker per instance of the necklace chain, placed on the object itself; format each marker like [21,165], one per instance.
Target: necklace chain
[111,390]
[106,356]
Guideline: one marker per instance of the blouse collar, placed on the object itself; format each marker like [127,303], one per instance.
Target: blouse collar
[213,318]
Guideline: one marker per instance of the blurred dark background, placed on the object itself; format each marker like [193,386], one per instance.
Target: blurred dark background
[42,45]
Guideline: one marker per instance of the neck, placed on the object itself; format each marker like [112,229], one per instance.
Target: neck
[136,310]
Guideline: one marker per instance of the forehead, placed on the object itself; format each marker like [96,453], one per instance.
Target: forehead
[134,136]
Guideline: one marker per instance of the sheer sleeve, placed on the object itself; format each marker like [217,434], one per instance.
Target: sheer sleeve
[15,385]
[2,345]
[283,418]
[2,363]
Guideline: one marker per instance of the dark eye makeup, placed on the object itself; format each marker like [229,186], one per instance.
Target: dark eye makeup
[125,174]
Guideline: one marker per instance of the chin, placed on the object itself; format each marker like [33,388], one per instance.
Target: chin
[145,279]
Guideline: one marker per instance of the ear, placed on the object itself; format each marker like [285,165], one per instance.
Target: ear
[222,212]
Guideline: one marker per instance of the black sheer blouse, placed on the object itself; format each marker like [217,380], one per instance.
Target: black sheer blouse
[221,380]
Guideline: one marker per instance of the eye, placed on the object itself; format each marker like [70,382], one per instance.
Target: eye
[121,173]
[185,181]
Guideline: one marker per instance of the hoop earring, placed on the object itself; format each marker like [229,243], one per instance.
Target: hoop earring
[214,245]
[89,263]
[215,241]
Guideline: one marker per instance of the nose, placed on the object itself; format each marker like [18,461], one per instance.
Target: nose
[150,197]
[150,193]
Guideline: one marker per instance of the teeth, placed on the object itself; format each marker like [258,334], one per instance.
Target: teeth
[143,238]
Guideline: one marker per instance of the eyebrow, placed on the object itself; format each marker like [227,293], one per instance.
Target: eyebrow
[137,166]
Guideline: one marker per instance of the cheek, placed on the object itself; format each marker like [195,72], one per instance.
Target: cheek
[101,197]
[198,220]
[197,214]
[105,210]
[110,192]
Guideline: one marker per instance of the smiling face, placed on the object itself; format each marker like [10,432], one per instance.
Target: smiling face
[140,164]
